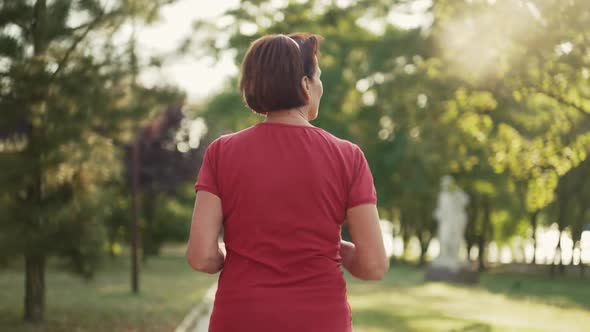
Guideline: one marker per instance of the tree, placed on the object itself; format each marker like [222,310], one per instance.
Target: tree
[503,108]
[163,169]
[60,115]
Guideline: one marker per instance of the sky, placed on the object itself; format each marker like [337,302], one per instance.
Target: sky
[199,77]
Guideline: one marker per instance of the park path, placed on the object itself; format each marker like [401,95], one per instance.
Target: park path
[198,319]
[202,325]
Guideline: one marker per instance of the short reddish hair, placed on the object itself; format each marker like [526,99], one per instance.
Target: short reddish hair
[272,70]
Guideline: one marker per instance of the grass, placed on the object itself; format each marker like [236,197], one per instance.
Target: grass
[501,302]
[402,302]
[169,289]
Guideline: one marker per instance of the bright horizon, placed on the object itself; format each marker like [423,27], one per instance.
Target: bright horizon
[202,77]
[198,77]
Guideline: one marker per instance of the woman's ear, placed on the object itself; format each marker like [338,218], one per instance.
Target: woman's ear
[305,86]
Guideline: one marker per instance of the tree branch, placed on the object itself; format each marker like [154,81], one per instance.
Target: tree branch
[72,48]
[80,27]
[87,28]
[565,102]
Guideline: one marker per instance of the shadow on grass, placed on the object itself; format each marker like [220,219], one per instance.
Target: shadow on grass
[404,301]
[387,319]
[562,292]
[398,277]
[477,327]
[380,318]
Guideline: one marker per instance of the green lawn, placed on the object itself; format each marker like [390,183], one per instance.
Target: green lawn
[169,289]
[501,302]
[402,302]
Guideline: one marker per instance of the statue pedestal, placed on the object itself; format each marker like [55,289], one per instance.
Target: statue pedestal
[462,275]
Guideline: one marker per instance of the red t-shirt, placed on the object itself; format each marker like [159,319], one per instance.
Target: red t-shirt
[284,191]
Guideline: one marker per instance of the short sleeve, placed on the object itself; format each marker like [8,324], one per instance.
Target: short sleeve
[207,176]
[362,189]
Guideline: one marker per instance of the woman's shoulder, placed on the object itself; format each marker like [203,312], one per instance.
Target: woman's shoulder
[343,144]
[229,137]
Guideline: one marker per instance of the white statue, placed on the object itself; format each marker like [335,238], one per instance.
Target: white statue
[452,219]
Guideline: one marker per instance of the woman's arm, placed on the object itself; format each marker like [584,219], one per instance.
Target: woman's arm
[203,252]
[365,257]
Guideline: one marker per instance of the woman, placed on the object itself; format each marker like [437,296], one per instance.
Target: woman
[282,189]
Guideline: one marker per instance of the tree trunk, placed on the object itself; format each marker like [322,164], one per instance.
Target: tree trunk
[481,253]
[424,243]
[111,242]
[150,242]
[470,230]
[561,265]
[34,300]
[40,42]
[562,201]
[34,288]
[556,255]
[135,239]
[574,245]
[482,240]
[578,233]
[406,242]
[533,219]
[468,246]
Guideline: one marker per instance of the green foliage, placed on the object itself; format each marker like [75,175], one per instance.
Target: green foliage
[174,215]
[67,110]
[505,108]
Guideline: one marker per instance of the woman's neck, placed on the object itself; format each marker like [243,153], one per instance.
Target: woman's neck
[295,117]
